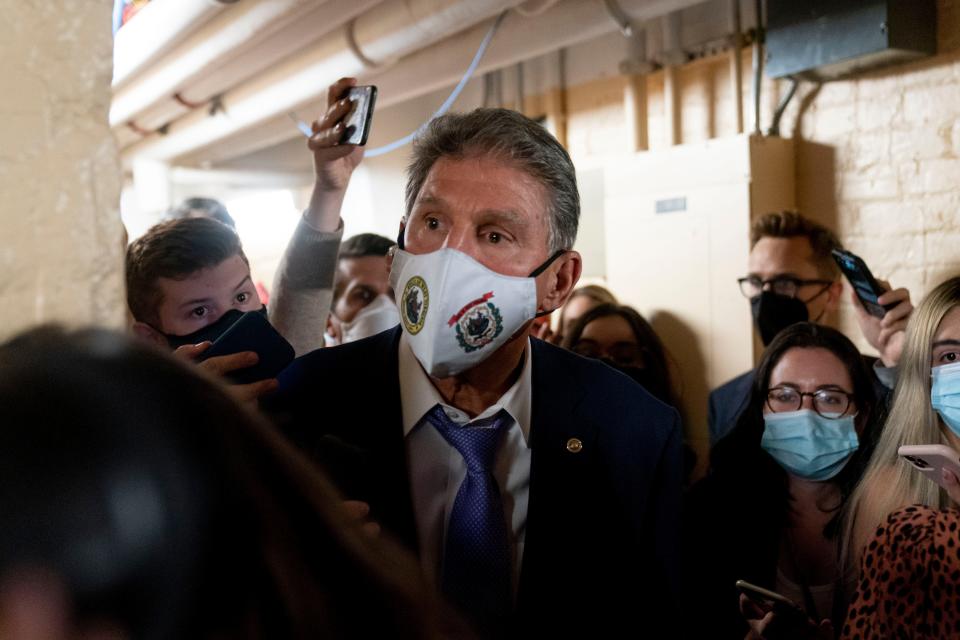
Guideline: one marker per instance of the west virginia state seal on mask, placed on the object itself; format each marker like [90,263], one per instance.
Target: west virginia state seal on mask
[477,324]
[415,302]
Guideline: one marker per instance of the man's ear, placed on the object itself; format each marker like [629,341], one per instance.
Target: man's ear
[833,296]
[147,333]
[562,278]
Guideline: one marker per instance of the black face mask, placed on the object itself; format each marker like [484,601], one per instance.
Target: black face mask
[772,313]
[210,332]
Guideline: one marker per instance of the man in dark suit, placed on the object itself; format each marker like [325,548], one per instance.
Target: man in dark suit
[793,278]
[539,489]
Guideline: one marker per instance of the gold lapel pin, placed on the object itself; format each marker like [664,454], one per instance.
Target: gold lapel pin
[574,445]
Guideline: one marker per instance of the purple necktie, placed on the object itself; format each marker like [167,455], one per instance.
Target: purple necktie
[476,560]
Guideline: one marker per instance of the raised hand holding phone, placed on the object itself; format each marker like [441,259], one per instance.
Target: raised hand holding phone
[334,158]
[882,312]
[333,162]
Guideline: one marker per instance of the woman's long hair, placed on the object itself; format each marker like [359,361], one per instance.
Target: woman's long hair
[655,355]
[739,456]
[167,507]
[888,482]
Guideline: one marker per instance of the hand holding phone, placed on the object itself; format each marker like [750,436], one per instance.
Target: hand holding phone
[252,332]
[769,600]
[865,286]
[931,460]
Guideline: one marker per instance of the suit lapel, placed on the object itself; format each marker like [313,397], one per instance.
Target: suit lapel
[563,448]
[380,435]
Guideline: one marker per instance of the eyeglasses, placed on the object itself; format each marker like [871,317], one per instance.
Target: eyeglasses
[752,286]
[829,403]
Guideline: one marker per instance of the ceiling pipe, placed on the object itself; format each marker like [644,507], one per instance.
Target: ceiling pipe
[154,30]
[517,40]
[182,176]
[298,32]
[389,31]
[230,48]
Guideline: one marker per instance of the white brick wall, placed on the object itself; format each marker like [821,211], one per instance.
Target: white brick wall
[884,168]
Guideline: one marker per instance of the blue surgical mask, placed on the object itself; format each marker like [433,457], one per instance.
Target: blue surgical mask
[809,445]
[945,394]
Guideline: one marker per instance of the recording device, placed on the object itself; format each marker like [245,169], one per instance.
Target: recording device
[253,332]
[356,126]
[864,284]
[785,608]
[931,460]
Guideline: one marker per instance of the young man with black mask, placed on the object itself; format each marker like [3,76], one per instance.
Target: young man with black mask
[793,278]
[188,281]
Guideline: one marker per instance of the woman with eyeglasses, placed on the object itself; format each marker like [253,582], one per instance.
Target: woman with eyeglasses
[768,512]
[621,337]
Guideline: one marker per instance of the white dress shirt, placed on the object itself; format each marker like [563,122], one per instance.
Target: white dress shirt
[437,469]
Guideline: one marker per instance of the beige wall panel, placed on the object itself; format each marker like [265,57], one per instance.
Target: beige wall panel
[61,240]
[679,269]
[596,118]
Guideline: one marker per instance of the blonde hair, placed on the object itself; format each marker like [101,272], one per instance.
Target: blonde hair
[888,482]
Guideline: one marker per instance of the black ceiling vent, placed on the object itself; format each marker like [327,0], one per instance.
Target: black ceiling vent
[829,39]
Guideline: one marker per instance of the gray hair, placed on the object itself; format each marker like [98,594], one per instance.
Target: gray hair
[514,137]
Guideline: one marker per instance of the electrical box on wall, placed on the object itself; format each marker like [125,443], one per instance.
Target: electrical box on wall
[827,39]
[677,239]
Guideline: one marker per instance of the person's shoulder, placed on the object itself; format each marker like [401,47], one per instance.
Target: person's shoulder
[349,365]
[605,393]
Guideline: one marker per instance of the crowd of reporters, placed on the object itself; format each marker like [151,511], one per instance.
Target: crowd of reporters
[151,492]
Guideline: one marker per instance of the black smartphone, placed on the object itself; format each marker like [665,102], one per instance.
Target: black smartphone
[357,123]
[253,332]
[864,284]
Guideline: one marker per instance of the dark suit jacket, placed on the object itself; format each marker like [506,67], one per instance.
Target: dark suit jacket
[726,403]
[601,545]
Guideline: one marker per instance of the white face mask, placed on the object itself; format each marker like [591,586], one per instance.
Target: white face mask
[455,311]
[379,315]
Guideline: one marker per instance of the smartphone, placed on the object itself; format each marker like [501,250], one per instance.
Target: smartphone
[357,123]
[253,332]
[864,284]
[768,600]
[931,459]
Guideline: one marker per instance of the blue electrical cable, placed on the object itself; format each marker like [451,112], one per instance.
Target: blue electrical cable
[396,144]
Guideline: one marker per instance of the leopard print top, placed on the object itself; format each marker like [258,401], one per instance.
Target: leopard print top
[909,583]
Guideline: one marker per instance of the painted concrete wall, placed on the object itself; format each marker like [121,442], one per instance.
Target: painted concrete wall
[61,240]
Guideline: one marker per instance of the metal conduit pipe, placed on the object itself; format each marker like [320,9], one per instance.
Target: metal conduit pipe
[389,31]
[208,49]
[518,39]
[736,62]
[223,62]
[757,66]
